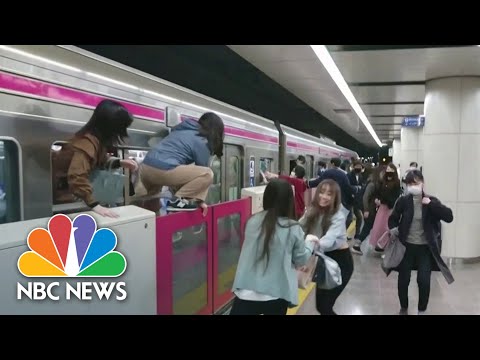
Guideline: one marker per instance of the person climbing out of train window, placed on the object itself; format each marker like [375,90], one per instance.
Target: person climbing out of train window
[265,281]
[88,149]
[417,217]
[181,161]
[299,185]
[325,219]
[301,161]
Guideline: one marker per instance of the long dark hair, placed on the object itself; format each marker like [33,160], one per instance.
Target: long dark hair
[376,176]
[395,182]
[211,126]
[109,123]
[278,202]
[315,210]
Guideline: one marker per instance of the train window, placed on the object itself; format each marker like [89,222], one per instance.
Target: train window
[10,188]
[215,192]
[233,178]
[266,164]
[62,199]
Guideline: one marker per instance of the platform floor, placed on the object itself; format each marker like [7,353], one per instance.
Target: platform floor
[370,292]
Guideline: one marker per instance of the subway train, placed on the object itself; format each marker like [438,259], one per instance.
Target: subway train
[47,92]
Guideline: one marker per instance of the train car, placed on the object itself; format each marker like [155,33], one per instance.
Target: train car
[314,150]
[47,92]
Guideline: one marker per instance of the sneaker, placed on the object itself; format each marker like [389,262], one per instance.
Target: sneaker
[403,311]
[356,247]
[181,205]
[420,312]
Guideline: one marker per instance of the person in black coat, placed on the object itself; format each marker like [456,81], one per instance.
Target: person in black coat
[417,217]
[356,180]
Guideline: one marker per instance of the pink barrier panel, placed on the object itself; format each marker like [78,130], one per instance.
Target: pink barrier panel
[166,227]
[171,264]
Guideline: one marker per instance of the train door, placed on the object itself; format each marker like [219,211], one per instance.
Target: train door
[10,181]
[232,172]
[215,191]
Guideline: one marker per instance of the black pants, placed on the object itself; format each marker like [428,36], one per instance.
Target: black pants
[247,307]
[367,226]
[325,299]
[349,218]
[418,256]
[358,220]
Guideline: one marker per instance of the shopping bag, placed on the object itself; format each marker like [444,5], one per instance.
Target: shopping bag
[327,273]
[108,185]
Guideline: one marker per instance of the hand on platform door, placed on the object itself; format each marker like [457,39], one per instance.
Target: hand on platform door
[204,208]
[99,209]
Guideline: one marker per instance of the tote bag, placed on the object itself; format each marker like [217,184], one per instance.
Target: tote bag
[107,185]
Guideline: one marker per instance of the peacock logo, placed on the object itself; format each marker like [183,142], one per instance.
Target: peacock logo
[72,249]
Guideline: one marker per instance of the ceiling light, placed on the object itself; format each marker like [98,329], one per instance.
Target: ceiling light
[327,61]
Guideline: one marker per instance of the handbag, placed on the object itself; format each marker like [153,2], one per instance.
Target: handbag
[107,185]
[305,277]
[328,274]
[394,253]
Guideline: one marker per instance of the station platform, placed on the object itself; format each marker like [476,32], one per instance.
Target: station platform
[370,292]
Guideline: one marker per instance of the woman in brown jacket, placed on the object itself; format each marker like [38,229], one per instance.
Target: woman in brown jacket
[88,150]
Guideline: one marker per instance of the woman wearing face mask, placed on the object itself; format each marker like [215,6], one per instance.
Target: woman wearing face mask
[326,220]
[418,217]
[385,197]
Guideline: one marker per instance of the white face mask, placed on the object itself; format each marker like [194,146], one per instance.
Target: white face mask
[415,189]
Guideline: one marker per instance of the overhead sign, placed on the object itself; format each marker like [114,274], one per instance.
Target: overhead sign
[415,121]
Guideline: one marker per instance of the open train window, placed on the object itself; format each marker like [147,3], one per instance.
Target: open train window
[62,199]
[266,164]
[10,187]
